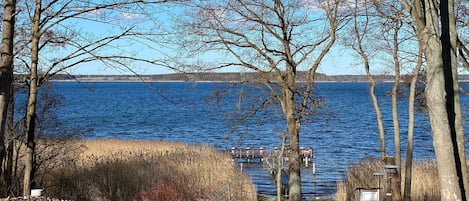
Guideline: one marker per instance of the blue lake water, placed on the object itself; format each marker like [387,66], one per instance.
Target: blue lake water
[342,131]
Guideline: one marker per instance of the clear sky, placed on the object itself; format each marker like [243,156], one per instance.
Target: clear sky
[338,62]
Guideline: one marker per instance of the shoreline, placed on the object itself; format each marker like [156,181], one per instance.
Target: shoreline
[212,81]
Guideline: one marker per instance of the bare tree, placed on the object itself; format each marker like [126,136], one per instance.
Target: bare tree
[361,31]
[275,39]
[410,129]
[449,37]
[6,70]
[383,21]
[440,81]
[50,33]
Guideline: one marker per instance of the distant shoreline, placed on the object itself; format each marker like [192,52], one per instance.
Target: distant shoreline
[214,81]
[218,77]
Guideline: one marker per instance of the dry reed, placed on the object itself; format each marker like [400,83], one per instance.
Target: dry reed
[149,170]
[425,186]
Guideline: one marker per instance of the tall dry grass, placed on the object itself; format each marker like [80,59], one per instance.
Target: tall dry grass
[425,186]
[118,170]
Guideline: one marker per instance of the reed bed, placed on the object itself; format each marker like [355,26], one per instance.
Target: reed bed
[425,186]
[116,170]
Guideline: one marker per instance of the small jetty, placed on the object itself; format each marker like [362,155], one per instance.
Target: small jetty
[272,160]
[306,154]
[270,156]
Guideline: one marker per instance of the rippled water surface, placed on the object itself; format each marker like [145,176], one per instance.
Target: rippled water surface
[343,130]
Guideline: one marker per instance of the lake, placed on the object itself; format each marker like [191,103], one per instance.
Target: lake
[342,131]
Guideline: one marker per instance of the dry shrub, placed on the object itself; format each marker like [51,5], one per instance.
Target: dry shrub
[142,170]
[165,190]
[50,153]
[359,175]
[425,186]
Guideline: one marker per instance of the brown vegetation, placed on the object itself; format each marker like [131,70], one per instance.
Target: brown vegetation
[146,170]
[425,186]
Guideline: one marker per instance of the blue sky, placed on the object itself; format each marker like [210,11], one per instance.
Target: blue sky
[339,61]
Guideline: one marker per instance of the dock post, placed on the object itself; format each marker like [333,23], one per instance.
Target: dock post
[314,168]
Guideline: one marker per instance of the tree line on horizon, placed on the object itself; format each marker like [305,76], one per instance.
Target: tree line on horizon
[222,76]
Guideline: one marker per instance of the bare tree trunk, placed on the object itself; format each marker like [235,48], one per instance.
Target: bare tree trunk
[379,115]
[460,140]
[280,168]
[31,107]
[9,143]
[442,141]
[410,130]
[294,178]
[395,116]
[6,70]
[435,94]
[360,35]
[457,104]
[426,16]
[449,47]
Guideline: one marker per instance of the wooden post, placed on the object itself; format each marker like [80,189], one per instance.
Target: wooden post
[394,189]
[261,153]
[247,153]
[314,168]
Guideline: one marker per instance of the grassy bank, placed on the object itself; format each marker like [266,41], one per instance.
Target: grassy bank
[146,170]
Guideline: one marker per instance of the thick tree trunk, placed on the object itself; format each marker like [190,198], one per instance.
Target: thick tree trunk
[287,101]
[6,70]
[460,142]
[440,124]
[426,16]
[449,47]
[294,177]
[31,107]
[294,180]
[449,184]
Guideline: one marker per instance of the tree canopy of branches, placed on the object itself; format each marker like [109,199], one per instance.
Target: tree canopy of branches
[276,40]
[50,40]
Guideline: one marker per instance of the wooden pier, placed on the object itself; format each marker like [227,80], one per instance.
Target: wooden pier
[270,157]
[262,153]
[273,161]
